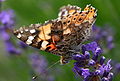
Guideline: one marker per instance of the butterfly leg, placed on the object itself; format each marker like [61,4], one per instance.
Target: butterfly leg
[51,46]
[62,60]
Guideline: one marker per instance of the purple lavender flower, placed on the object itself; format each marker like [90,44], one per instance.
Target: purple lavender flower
[117,67]
[39,64]
[7,23]
[97,33]
[4,35]
[11,49]
[7,18]
[93,46]
[103,34]
[92,67]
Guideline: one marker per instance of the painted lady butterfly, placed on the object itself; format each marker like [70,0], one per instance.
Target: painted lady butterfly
[61,35]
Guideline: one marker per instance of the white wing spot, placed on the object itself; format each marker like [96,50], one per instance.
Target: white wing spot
[29,41]
[21,31]
[19,35]
[38,25]
[30,37]
[65,13]
[32,31]
[26,30]
[60,14]
[31,25]
[44,44]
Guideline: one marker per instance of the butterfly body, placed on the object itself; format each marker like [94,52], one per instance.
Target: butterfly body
[61,35]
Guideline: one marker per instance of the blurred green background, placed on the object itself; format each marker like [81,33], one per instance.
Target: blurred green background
[16,68]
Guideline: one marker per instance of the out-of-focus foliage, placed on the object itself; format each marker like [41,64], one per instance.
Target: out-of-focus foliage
[17,68]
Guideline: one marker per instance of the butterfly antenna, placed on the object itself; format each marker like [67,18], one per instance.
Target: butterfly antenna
[53,65]
[35,76]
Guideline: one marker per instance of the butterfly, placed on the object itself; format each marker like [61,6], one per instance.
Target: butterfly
[61,35]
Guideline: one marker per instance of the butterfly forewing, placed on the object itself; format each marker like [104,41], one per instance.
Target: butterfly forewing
[34,35]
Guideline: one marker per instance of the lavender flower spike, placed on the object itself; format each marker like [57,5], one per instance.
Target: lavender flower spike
[92,67]
[11,49]
[105,34]
[7,18]
[39,65]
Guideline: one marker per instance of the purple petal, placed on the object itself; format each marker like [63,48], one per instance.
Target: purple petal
[104,79]
[110,76]
[95,57]
[108,66]
[77,70]
[91,47]
[87,55]
[78,57]
[102,60]
[85,72]
[91,62]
